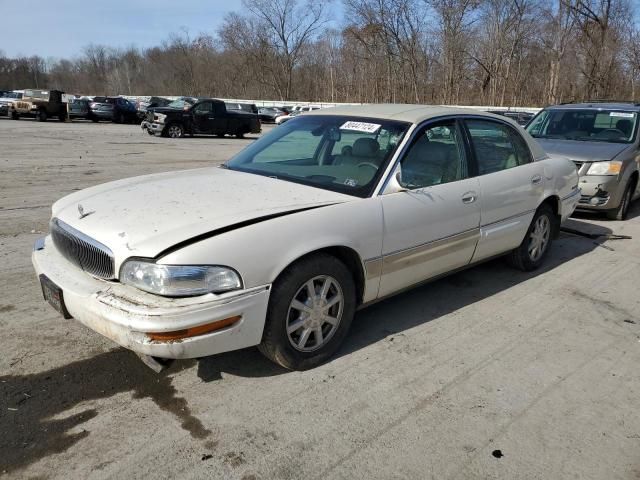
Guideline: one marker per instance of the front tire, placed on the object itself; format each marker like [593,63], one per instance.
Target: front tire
[535,246]
[311,307]
[175,130]
[42,116]
[620,213]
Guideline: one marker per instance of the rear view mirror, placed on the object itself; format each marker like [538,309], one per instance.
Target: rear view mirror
[334,134]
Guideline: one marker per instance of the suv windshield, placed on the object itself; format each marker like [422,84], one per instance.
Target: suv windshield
[333,152]
[592,125]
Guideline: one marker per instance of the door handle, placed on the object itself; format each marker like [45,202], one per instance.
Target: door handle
[536,179]
[469,197]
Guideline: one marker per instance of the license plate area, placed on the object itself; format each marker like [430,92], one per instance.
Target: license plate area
[53,294]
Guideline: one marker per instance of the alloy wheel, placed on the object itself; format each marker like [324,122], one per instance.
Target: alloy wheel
[315,313]
[539,238]
[175,131]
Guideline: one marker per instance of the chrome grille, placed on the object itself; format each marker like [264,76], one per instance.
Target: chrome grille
[82,251]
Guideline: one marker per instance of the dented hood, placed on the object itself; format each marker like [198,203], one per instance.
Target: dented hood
[143,216]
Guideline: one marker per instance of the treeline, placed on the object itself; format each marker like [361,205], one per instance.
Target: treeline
[483,52]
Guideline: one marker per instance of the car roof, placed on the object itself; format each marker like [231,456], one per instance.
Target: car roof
[403,112]
[634,107]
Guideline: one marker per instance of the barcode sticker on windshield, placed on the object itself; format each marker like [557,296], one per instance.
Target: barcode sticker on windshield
[622,114]
[361,127]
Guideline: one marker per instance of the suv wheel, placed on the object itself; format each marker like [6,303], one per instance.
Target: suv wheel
[311,307]
[42,116]
[535,246]
[620,213]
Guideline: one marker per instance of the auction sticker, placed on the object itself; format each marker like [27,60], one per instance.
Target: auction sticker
[622,114]
[361,127]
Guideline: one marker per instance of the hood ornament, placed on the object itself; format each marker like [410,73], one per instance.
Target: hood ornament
[81,212]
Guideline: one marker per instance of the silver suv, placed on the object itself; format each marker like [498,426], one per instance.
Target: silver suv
[602,140]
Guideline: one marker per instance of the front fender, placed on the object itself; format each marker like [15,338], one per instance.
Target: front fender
[260,252]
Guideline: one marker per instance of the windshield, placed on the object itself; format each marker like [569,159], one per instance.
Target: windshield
[343,154]
[12,95]
[592,125]
[38,94]
[180,103]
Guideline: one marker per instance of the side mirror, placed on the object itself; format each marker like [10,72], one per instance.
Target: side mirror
[394,185]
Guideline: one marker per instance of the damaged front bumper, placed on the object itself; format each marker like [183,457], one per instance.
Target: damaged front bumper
[600,192]
[128,316]
[152,128]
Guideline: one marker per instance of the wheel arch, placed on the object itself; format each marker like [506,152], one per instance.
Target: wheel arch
[346,255]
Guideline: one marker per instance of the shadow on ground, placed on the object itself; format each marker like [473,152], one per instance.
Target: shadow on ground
[28,403]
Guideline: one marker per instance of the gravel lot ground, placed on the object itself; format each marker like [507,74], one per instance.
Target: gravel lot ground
[490,373]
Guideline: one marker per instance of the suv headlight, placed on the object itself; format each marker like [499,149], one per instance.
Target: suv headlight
[179,280]
[159,117]
[605,168]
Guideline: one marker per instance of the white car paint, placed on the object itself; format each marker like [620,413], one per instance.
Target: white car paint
[400,237]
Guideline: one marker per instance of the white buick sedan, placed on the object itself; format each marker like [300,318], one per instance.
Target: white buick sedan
[282,244]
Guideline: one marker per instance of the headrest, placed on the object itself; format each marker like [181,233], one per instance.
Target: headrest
[365,147]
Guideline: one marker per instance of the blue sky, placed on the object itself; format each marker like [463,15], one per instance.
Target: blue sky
[72,24]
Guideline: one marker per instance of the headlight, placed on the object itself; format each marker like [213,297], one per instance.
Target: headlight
[179,280]
[605,168]
[160,117]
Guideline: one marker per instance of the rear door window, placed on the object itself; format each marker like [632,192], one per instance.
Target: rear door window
[497,146]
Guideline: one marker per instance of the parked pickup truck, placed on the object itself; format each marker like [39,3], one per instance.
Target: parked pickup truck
[205,116]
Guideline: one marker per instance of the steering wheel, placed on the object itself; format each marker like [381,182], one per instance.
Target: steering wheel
[611,132]
[368,164]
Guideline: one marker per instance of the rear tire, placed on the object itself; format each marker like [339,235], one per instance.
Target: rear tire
[620,213]
[322,318]
[62,117]
[536,243]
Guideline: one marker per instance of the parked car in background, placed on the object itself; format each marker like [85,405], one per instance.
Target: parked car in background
[297,111]
[143,106]
[318,218]
[206,116]
[39,104]
[80,108]
[602,140]
[269,114]
[245,107]
[7,98]
[522,118]
[113,109]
